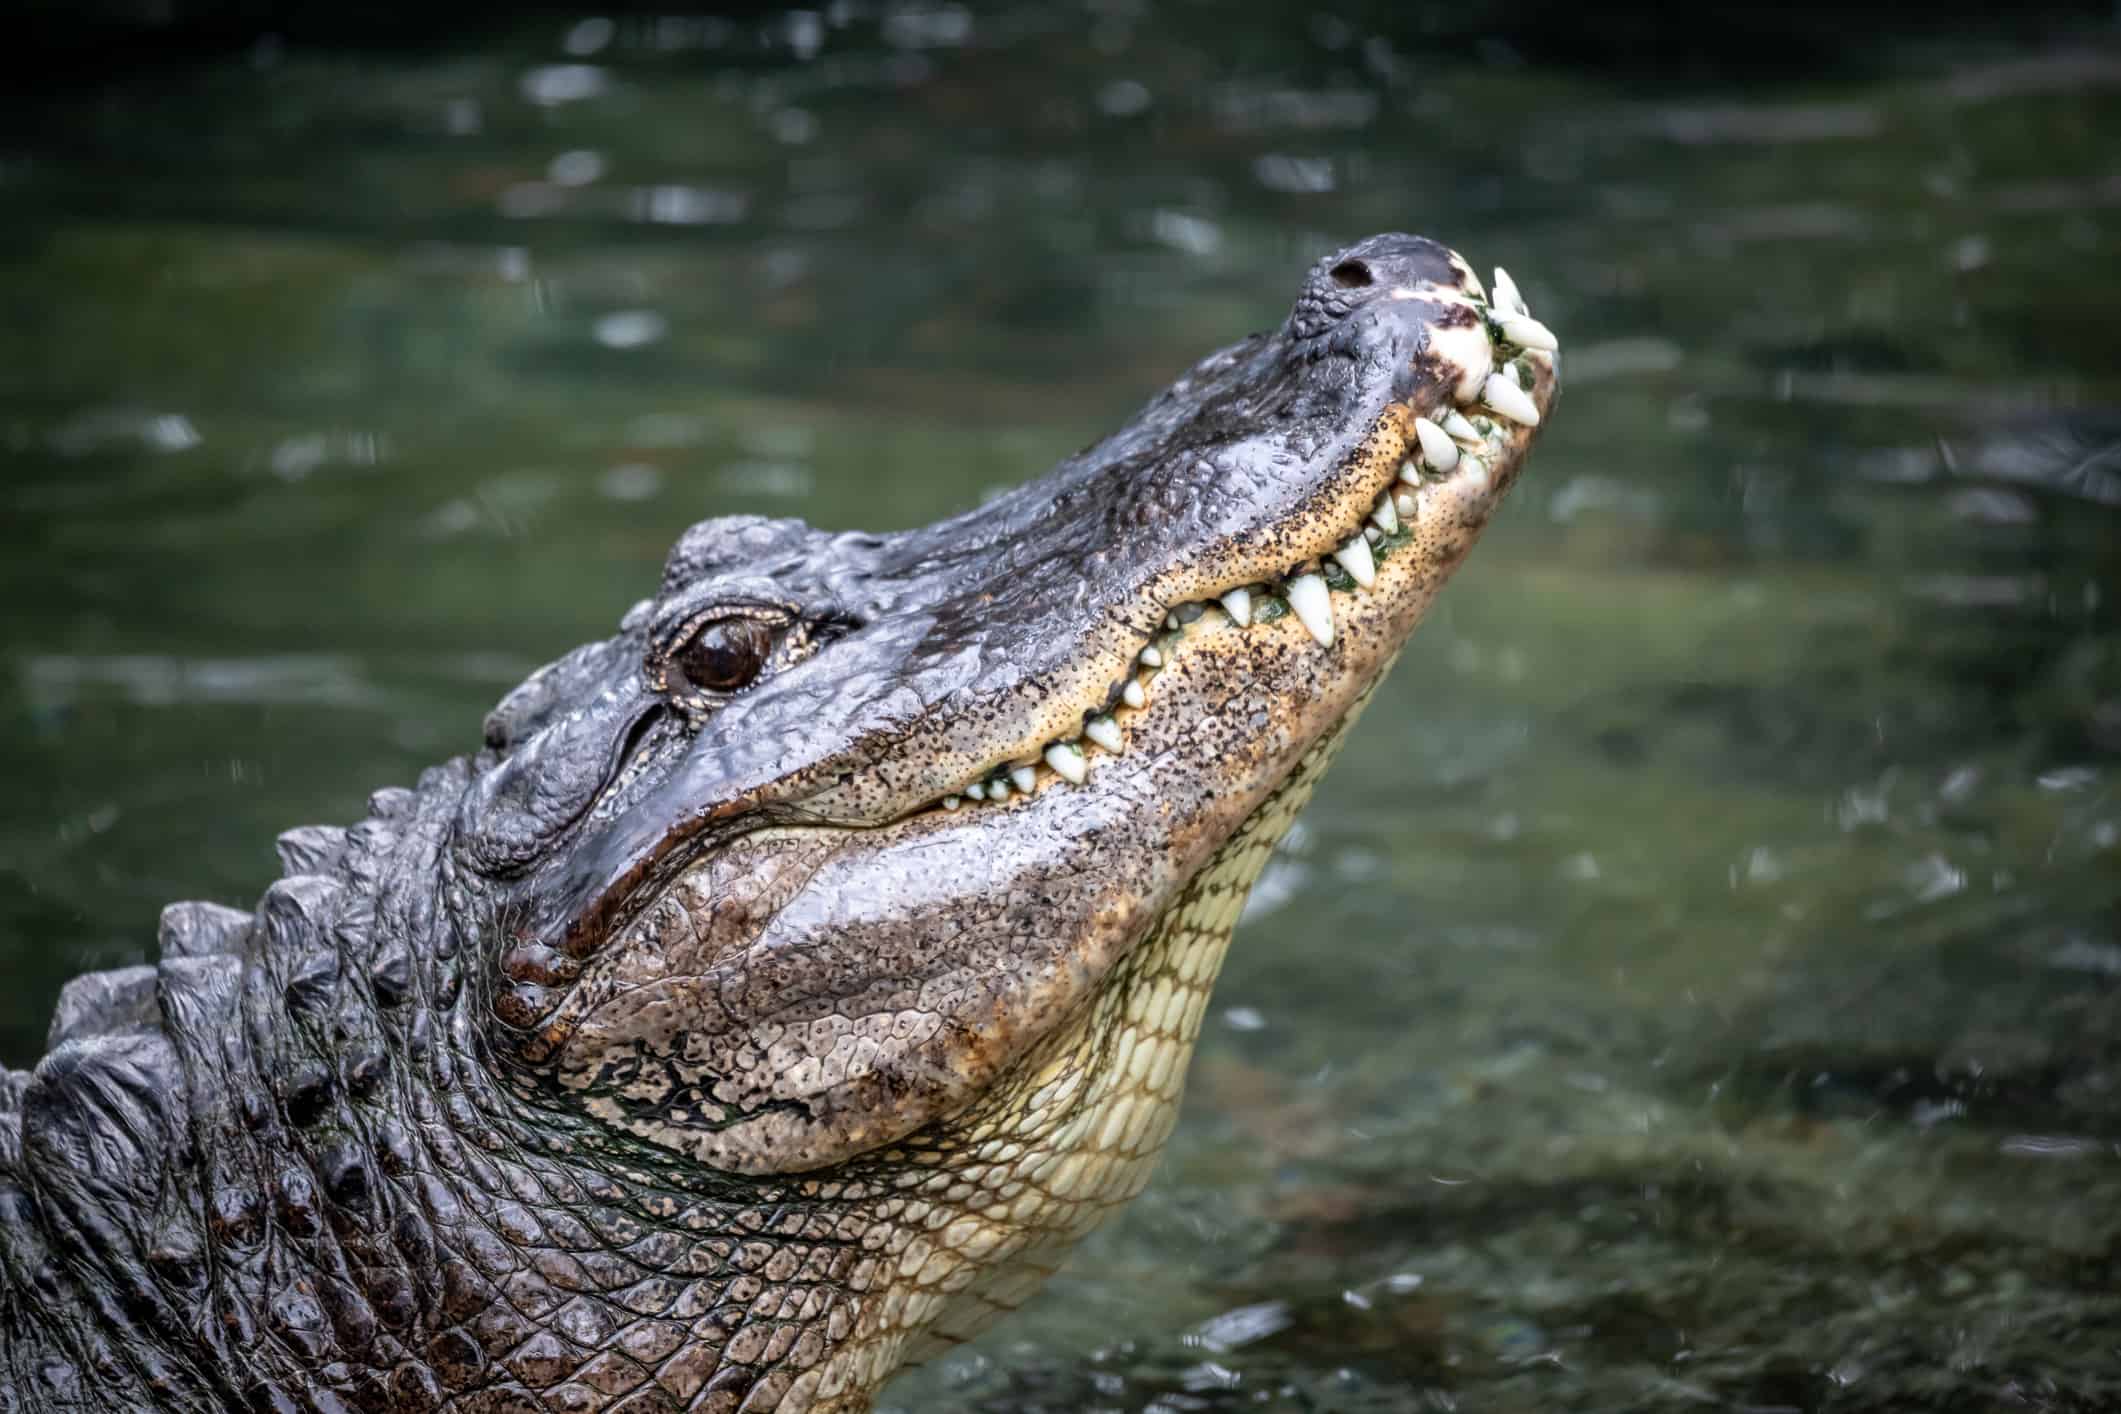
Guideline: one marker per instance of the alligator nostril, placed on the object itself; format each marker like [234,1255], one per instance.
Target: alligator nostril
[1352,275]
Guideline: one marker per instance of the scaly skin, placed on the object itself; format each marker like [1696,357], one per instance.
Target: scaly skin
[792,978]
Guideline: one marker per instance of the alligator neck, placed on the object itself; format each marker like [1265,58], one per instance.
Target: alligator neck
[379,1207]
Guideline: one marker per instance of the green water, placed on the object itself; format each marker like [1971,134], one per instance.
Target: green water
[1699,986]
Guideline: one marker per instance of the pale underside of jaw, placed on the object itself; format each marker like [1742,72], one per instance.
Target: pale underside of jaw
[1492,394]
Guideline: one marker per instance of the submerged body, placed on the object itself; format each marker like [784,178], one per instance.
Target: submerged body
[792,978]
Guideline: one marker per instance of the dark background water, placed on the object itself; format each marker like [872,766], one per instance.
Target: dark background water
[1700,984]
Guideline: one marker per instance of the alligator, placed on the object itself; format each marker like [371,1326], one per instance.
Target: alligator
[792,977]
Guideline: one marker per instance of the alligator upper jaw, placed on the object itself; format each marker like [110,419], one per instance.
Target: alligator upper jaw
[1233,685]
[1011,646]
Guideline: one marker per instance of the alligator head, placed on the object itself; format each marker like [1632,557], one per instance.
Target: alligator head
[843,924]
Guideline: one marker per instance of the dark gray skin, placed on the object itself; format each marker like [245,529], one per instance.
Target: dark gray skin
[692,1047]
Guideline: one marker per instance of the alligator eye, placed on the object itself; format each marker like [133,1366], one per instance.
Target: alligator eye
[722,655]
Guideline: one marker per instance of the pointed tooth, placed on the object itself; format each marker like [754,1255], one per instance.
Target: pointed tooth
[1238,605]
[1372,536]
[1410,472]
[1404,503]
[952,802]
[977,790]
[1504,397]
[1385,515]
[1133,695]
[1454,422]
[1474,472]
[1105,732]
[1506,296]
[1309,598]
[1151,658]
[997,790]
[1024,778]
[1356,559]
[1067,758]
[1436,444]
[1527,333]
[1171,621]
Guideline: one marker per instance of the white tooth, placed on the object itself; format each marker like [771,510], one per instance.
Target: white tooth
[1410,472]
[1436,444]
[1474,472]
[977,790]
[1404,503]
[1355,558]
[1506,296]
[1373,536]
[952,802]
[1170,621]
[1238,605]
[1068,759]
[1527,333]
[1023,777]
[1105,732]
[1386,517]
[1151,658]
[1454,422]
[1506,398]
[1314,605]
[997,790]
[1133,695]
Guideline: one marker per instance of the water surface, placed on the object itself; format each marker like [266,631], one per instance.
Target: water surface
[1698,987]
